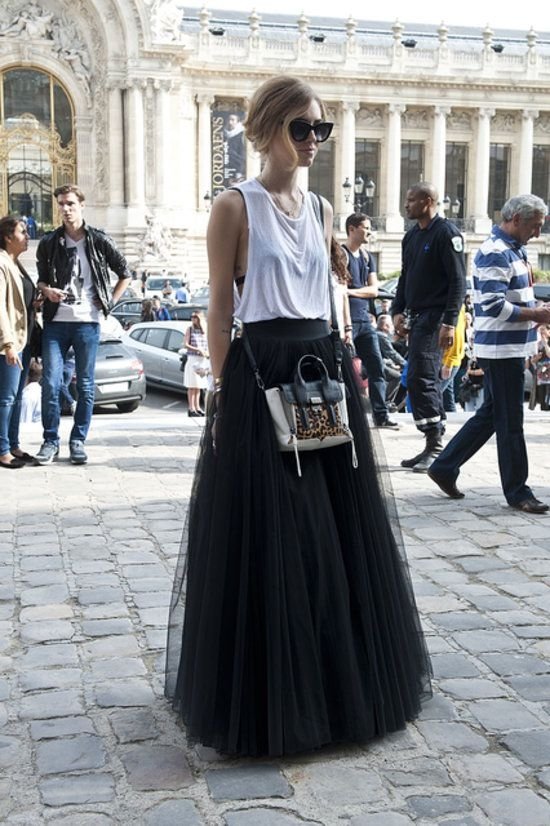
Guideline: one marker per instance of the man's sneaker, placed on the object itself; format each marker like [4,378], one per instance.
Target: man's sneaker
[47,453]
[78,454]
[388,424]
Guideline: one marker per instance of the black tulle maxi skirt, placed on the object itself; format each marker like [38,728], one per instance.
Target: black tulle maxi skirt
[293,622]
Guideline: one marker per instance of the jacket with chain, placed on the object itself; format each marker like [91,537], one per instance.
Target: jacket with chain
[55,266]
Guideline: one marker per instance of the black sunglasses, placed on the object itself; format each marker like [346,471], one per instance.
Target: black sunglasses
[299,130]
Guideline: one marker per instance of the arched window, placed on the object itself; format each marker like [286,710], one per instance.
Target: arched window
[37,146]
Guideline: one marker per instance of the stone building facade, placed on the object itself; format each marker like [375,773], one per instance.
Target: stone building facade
[142,104]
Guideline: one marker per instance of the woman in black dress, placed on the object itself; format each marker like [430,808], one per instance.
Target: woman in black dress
[293,623]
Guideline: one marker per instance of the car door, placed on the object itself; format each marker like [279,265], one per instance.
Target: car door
[151,351]
[171,364]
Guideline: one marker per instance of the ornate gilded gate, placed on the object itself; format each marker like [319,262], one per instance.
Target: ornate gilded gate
[37,146]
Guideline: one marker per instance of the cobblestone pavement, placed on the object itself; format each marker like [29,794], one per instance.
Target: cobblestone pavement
[87,739]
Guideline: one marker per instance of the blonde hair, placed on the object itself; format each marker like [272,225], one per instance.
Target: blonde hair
[273,105]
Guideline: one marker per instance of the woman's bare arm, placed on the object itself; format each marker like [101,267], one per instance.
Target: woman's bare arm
[225,229]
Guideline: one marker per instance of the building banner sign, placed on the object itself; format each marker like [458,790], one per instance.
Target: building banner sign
[228,148]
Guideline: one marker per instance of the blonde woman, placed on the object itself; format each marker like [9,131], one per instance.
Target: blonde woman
[300,625]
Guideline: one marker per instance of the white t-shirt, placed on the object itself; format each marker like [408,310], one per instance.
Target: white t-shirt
[31,402]
[287,275]
[79,304]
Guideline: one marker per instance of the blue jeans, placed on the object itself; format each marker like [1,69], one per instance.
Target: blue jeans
[500,413]
[66,401]
[448,391]
[367,348]
[12,382]
[57,338]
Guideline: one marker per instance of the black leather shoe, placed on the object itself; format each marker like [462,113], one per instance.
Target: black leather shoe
[26,458]
[424,463]
[387,424]
[530,505]
[13,464]
[415,459]
[448,486]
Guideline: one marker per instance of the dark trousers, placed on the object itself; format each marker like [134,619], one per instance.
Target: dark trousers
[367,348]
[424,364]
[500,413]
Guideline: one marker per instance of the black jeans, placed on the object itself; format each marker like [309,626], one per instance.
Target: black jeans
[423,373]
[500,413]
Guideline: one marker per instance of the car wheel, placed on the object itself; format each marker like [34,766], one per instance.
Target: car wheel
[128,407]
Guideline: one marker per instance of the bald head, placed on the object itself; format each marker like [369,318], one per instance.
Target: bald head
[421,202]
[426,190]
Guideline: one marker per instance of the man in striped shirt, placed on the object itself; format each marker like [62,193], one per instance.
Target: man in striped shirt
[505,326]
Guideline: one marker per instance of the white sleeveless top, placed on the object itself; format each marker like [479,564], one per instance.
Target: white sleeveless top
[287,273]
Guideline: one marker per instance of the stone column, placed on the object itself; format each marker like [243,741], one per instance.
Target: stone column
[482,222]
[253,158]
[84,130]
[116,146]
[135,151]
[439,135]
[394,219]
[525,161]
[204,103]
[183,175]
[163,143]
[346,167]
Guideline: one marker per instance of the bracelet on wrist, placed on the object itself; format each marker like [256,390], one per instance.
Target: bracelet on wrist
[348,328]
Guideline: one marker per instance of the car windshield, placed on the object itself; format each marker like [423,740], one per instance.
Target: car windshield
[184,312]
[158,283]
[111,348]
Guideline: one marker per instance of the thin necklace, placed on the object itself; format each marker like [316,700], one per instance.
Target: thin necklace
[294,210]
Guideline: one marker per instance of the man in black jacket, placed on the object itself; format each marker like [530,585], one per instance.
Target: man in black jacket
[431,289]
[73,265]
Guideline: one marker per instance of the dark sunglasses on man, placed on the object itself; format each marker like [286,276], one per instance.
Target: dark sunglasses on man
[300,129]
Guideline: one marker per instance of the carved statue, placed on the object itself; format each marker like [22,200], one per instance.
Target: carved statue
[156,240]
[70,48]
[165,21]
[32,21]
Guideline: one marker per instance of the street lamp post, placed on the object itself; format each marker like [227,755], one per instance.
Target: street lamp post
[346,186]
[364,192]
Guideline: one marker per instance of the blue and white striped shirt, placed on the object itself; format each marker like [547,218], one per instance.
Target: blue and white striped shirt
[502,284]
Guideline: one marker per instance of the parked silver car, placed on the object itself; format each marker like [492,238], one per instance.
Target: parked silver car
[157,344]
[119,376]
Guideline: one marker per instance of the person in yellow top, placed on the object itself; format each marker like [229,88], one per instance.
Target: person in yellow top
[451,361]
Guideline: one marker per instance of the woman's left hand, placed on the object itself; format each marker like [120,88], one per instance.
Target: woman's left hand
[12,357]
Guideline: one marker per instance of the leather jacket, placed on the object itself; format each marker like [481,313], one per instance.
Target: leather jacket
[54,265]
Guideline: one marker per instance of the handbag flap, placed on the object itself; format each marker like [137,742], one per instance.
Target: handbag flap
[328,391]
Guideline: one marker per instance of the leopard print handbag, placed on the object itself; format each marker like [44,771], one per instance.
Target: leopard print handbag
[310,414]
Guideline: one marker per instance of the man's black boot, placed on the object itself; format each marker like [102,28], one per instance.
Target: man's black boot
[434,446]
[410,463]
